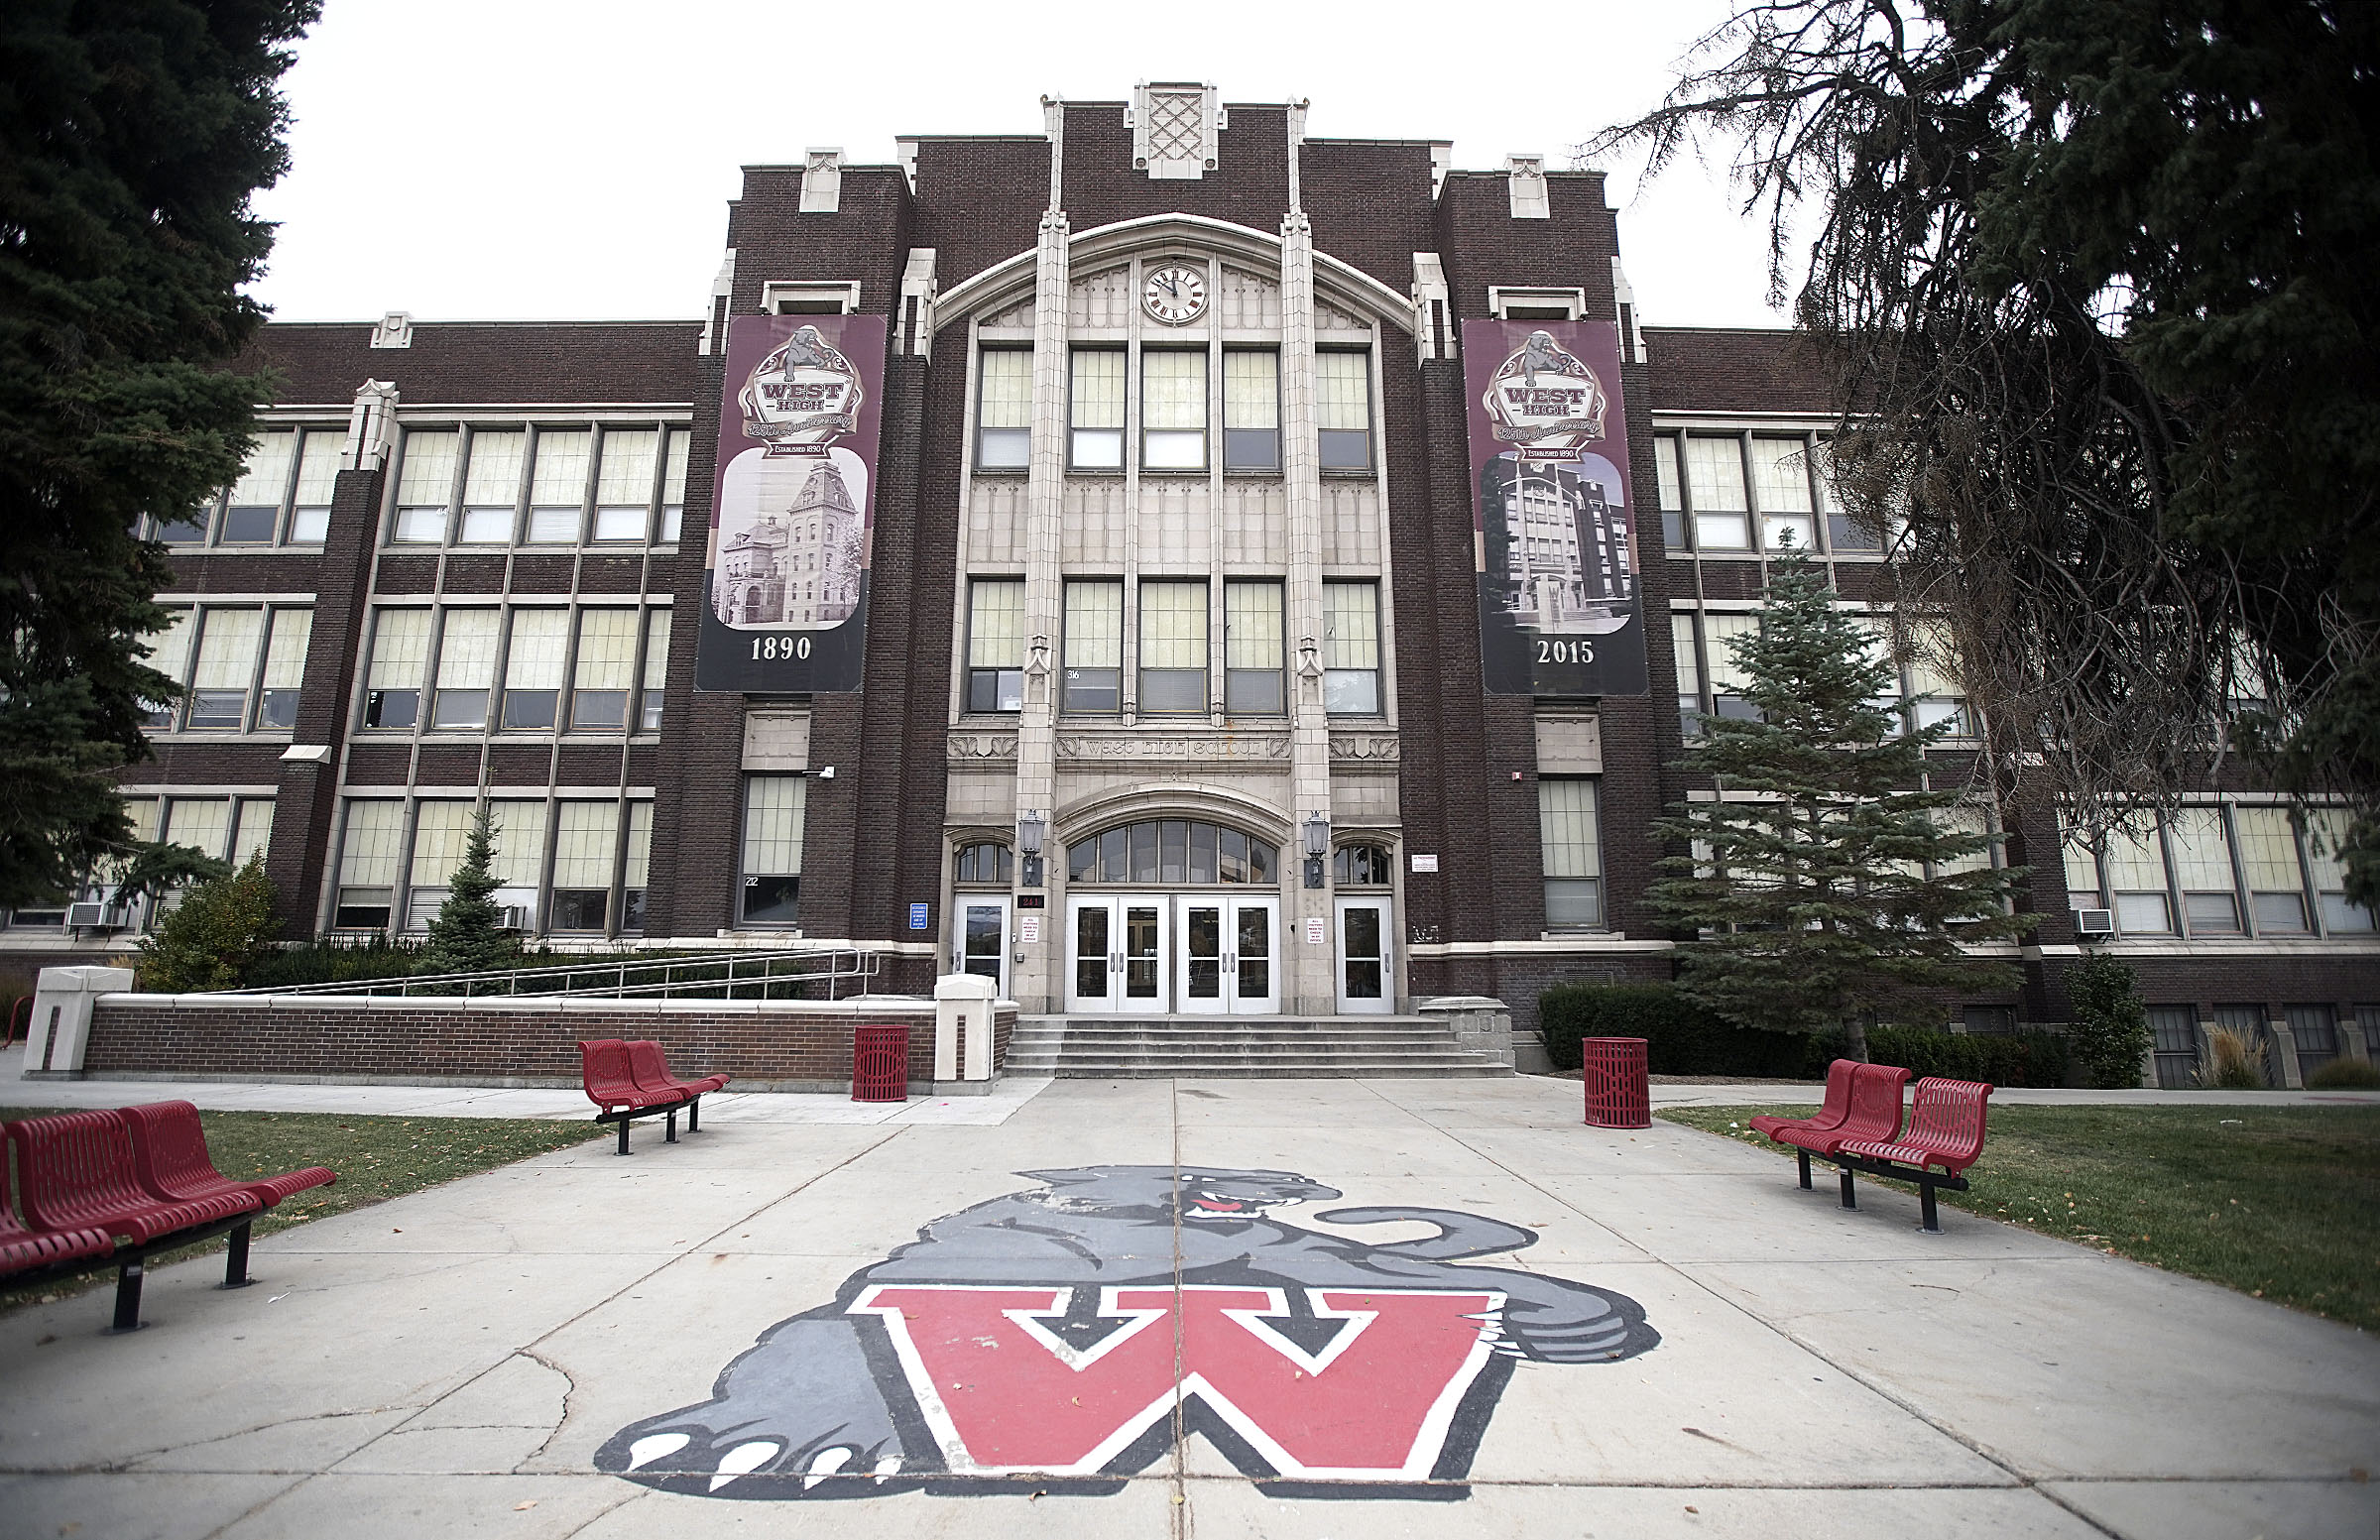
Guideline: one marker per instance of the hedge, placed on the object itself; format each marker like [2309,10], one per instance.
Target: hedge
[1682,1039]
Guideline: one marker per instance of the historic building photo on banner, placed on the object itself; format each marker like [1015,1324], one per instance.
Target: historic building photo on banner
[785,597]
[1559,610]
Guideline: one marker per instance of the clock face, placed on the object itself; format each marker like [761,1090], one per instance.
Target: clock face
[1174,295]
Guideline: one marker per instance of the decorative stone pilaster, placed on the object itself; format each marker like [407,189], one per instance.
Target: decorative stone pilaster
[1312,976]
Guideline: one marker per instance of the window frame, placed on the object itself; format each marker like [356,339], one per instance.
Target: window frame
[1369,432]
[1202,398]
[1597,884]
[1078,434]
[1002,682]
[984,464]
[1143,674]
[1232,434]
[745,875]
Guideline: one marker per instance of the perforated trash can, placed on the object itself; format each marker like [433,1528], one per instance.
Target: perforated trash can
[1619,1094]
[879,1064]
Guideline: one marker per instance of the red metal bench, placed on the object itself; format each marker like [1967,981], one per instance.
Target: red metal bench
[24,1249]
[1831,1111]
[1873,1112]
[650,1067]
[1946,1130]
[76,1172]
[608,1072]
[171,1162]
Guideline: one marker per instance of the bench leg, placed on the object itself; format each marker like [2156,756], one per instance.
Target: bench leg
[694,1116]
[1803,1156]
[235,1261]
[670,1138]
[128,1297]
[623,1135]
[1925,1205]
[1848,1200]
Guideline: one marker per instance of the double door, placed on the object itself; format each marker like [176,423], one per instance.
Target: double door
[1173,953]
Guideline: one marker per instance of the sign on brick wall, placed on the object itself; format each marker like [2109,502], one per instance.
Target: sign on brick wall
[1560,613]
[792,505]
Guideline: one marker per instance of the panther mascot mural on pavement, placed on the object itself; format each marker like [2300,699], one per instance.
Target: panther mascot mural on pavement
[1055,1340]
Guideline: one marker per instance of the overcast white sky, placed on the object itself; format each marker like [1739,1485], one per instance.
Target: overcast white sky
[527,159]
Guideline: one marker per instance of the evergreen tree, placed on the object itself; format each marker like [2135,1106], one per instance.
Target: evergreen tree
[2109,1034]
[131,135]
[1807,881]
[211,939]
[468,935]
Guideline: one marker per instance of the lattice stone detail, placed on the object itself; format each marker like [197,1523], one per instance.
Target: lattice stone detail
[1176,129]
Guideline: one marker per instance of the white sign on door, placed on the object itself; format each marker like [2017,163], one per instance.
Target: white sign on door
[1317,933]
[1029,928]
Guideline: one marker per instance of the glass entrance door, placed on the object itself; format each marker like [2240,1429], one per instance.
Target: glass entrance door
[983,940]
[1366,970]
[1119,957]
[1255,968]
[1224,955]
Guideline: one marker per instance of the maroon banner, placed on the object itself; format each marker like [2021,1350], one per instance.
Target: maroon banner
[1559,609]
[792,505]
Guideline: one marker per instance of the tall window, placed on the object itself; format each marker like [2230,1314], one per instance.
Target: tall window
[1251,410]
[368,857]
[2135,864]
[1173,410]
[1343,409]
[585,847]
[1781,479]
[1846,536]
[1094,661]
[1570,843]
[1253,648]
[252,516]
[557,485]
[996,644]
[203,823]
[426,485]
[2268,860]
[1351,649]
[225,669]
[466,669]
[2325,836]
[1173,647]
[605,670]
[519,830]
[636,863]
[1095,410]
[1715,484]
[2202,868]
[440,831]
[657,671]
[773,829]
[1673,492]
[1720,632]
[673,485]
[169,652]
[285,668]
[1934,693]
[533,671]
[393,683]
[624,483]
[492,485]
[1690,675]
[1003,410]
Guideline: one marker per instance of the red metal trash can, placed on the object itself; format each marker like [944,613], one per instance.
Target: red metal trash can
[1619,1094]
[880,1063]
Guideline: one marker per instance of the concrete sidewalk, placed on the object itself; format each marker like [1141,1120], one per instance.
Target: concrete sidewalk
[458,1362]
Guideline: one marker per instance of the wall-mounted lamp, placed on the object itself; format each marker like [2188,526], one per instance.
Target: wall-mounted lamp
[1031,825]
[1318,847]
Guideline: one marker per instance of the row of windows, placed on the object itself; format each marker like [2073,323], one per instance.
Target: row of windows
[282,497]
[562,866]
[1711,685]
[541,486]
[1718,489]
[228,828]
[240,668]
[1178,408]
[2221,871]
[2315,1029]
[517,669]
[1173,650]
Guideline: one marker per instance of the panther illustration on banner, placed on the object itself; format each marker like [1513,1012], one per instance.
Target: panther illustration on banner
[1049,1340]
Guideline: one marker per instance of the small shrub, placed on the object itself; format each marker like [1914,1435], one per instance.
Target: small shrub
[211,937]
[2345,1075]
[2236,1062]
[2111,1030]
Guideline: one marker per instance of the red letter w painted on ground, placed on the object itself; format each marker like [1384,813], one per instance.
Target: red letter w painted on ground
[1002,1394]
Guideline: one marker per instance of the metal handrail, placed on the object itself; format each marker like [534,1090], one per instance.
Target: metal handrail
[841,963]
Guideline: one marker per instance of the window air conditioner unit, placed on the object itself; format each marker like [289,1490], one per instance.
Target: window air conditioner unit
[513,916]
[2092,924]
[91,916]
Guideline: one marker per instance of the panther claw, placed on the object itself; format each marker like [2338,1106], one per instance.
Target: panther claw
[743,1460]
[825,1464]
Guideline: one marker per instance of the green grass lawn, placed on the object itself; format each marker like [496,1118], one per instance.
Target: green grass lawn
[376,1158]
[2279,1202]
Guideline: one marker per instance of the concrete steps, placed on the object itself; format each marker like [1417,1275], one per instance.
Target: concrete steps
[1247,1047]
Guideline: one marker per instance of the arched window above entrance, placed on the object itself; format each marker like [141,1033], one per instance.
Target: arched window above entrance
[1173,850]
[1360,865]
[985,863]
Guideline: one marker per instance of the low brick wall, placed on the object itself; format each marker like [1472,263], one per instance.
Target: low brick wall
[766,1045]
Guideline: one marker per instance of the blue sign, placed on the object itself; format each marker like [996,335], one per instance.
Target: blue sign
[918,916]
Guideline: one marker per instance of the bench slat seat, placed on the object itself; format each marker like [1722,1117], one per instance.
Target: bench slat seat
[24,1248]
[1831,1111]
[75,1171]
[1873,1112]
[1945,1127]
[609,1082]
[171,1160]
[650,1067]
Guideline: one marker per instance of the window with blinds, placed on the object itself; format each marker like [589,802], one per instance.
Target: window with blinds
[605,673]
[533,669]
[673,485]
[393,679]
[771,864]
[1003,410]
[557,485]
[996,644]
[252,512]
[252,830]
[441,829]
[466,669]
[1351,649]
[624,483]
[1781,481]
[492,485]
[370,847]
[2135,866]
[168,651]
[634,863]
[2270,870]
[1673,492]
[317,481]
[1173,410]
[2201,855]
[519,828]
[225,670]
[1094,645]
[1570,846]
[1715,484]
[203,823]
[657,671]
[1254,649]
[1095,410]
[1173,647]
[426,485]
[1720,632]
[585,855]
[1251,410]
[285,668]
[2325,837]
[1343,409]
